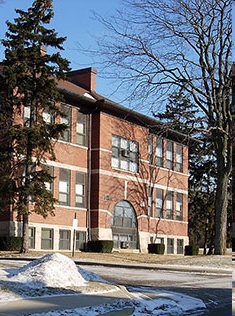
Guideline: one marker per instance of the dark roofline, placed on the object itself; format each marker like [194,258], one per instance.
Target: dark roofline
[110,107]
[154,125]
[103,104]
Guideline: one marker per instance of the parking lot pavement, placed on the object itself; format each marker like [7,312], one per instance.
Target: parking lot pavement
[46,304]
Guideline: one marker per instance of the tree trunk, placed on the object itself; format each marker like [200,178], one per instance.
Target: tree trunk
[221,214]
[25,235]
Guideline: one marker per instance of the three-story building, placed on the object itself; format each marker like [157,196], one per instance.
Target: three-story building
[119,175]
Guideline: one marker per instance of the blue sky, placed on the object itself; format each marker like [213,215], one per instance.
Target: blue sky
[73,19]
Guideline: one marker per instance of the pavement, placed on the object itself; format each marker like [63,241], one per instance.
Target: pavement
[27,307]
[60,303]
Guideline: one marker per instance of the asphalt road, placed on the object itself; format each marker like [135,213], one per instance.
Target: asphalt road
[213,289]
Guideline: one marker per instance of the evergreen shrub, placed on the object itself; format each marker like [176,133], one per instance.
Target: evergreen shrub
[10,243]
[191,250]
[156,248]
[100,246]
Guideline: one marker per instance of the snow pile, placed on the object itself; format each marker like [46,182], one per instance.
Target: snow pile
[56,274]
[52,270]
[165,303]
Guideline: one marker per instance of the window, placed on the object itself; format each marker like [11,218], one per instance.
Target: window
[49,185]
[179,158]
[32,231]
[67,121]
[47,117]
[169,205]
[47,235]
[30,114]
[180,246]
[150,149]
[170,245]
[81,129]
[65,237]
[124,215]
[179,206]
[124,226]
[80,240]
[159,203]
[80,189]
[32,174]
[26,115]
[169,155]
[64,186]
[159,152]
[124,154]
[120,240]
[150,201]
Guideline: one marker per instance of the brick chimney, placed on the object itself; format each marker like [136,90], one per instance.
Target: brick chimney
[85,78]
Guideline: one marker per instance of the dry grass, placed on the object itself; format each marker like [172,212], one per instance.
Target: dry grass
[135,258]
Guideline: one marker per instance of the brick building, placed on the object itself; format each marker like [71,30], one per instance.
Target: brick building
[119,175]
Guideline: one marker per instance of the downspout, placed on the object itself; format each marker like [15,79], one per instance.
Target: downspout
[89,179]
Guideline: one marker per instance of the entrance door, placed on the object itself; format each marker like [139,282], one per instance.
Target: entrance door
[124,226]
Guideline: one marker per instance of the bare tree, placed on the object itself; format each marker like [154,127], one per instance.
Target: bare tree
[159,46]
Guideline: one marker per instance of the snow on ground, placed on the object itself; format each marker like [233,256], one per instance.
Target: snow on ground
[56,274]
[233,287]
[168,305]
[53,270]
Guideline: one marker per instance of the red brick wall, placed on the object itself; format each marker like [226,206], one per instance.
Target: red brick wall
[112,181]
[117,184]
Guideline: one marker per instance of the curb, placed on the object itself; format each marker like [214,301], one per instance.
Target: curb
[123,312]
[160,267]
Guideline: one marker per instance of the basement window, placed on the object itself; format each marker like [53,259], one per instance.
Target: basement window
[47,238]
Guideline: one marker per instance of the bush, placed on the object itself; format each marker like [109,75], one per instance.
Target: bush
[233,244]
[10,243]
[156,248]
[100,246]
[191,250]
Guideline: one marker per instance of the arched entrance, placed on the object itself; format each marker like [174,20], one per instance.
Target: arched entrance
[124,226]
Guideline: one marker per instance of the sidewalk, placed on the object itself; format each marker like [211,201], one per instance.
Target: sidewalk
[57,303]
